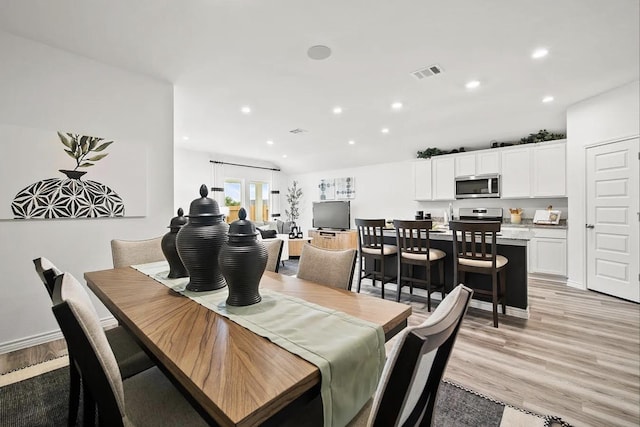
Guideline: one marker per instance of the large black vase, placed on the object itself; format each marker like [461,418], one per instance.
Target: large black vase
[243,259]
[199,242]
[169,249]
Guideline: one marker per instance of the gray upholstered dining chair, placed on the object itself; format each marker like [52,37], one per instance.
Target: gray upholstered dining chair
[132,252]
[148,398]
[274,252]
[326,266]
[408,388]
[130,358]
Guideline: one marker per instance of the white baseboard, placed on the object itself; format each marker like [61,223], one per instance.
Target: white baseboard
[22,343]
[577,285]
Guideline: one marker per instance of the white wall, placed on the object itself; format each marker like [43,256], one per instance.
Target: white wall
[386,191]
[612,115]
[49,89]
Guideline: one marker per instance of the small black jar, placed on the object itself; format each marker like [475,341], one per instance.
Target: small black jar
[199,242]
[243,259]
[168,244]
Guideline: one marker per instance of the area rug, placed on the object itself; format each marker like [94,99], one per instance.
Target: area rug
[43,401]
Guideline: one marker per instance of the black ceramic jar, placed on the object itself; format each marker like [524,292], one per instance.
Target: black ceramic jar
[243,259]
[199,242]
[168,244]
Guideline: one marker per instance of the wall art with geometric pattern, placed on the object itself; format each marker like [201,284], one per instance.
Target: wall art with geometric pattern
[65,174]
[345,188]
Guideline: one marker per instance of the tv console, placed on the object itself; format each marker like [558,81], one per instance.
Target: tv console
[334,239]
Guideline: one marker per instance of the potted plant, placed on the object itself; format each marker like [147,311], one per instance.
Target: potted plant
[79,147]
[294,194]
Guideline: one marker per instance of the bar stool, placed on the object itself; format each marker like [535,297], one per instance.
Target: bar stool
[371,247]
[414,248]
[474,251]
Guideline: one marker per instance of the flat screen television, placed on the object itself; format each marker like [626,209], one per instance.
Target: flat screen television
[333,214]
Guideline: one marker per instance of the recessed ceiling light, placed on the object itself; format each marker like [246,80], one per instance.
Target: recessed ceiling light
[384,130]
[319,52]
[246,110]
[547,99]
[270,142]
[284,156]
[185,138]
[540,53]
[472,84]
[351,142]
[337,110]
[396,105]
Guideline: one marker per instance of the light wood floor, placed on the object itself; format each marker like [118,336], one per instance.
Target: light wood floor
[577,356]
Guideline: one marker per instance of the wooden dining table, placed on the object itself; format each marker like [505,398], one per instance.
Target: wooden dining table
[232,376]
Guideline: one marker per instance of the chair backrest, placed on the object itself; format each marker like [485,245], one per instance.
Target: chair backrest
[47,272]
[408,387]
[274,252]
[132,252]
[370,235]
[87,341]
[412,236]
[475,240]
[326,266]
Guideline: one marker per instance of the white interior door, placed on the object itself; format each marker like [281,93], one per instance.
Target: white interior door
[613,194]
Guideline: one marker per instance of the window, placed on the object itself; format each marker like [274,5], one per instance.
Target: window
[233,197]
[259,201]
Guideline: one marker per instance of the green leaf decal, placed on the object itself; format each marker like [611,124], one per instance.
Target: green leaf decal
[64,140]
[98,157]
[103,146]
[85,165]
[70,153]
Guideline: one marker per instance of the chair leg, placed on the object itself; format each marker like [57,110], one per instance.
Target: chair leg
[441,274]
[399,279]
[428,277]
[361,272]
[74,393]
[503,290]
[494,298]
[382,276]
[89,408]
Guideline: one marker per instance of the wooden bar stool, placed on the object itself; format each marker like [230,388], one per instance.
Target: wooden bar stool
[414,248]
[371,247]
[474,251]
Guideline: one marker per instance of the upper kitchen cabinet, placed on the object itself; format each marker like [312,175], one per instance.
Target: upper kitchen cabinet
[548,163]
[480,163]
[422,180]
[515,178]
[443,175]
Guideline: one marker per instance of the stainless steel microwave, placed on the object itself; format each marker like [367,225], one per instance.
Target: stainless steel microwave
[477,186]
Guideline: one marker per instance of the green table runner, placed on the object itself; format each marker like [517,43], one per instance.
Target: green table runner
[349,352]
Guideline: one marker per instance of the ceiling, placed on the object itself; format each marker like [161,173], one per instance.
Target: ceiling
[222,55]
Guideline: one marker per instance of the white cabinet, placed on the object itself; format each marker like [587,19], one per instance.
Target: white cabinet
[516,173]
[422,180]
[481,163]
[548,164]
[487,161]
[548,252]
[443,178]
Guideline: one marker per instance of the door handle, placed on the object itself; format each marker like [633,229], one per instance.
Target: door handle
[590,226]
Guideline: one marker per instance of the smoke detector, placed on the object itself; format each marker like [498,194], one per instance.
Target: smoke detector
[431,70]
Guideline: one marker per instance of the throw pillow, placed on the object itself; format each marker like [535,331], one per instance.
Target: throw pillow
[267,234]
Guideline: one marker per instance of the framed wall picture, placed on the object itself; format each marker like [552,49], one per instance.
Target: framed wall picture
[66,174]
[327,189]
[345,188]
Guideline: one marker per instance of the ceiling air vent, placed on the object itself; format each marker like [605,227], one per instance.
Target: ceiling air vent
[431,70]
[298,130]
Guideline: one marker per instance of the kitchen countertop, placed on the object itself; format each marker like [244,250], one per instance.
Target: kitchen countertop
[506,237]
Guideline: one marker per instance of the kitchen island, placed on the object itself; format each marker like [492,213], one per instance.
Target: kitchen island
[511,244]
